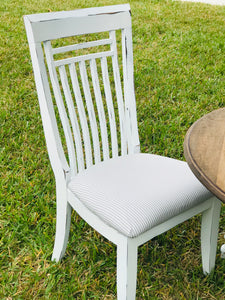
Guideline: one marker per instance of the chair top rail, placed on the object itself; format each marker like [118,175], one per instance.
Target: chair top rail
[50,26]
[79,12]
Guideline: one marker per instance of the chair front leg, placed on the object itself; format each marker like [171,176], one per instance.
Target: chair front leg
[126,269]
[209,235]
[63,218]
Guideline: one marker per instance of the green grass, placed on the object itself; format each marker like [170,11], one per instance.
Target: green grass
[179,76]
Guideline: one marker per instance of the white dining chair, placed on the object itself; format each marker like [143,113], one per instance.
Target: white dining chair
[83,68]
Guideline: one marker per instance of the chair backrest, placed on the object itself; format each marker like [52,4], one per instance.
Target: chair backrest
[83,85]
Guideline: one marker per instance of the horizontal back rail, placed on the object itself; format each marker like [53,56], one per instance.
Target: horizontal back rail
[65,24]
[81,46]
[82,58]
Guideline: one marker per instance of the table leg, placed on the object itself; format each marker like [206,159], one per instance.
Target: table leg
[222,249]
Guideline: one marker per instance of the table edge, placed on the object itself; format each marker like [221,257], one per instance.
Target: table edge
[197,171]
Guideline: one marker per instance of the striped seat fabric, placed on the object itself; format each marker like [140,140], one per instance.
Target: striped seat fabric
[136,192]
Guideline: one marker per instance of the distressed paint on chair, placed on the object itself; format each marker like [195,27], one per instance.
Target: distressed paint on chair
[91,120]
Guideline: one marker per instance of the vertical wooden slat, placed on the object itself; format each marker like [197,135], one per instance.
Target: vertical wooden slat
[88,122]
[119,94]
[91,112]
[61,108]
[130,104]
[73,118]
[82,116]
[100,108]
[110,107]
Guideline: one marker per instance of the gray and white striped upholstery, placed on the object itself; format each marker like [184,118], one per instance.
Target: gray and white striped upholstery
[134,193]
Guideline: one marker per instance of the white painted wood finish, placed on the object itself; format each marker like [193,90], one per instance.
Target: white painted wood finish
[209,235]
[87,113]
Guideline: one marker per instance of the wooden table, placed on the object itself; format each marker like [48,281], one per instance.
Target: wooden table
[204,150]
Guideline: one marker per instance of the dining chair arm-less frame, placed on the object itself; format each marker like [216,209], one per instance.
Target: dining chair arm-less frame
[87,102]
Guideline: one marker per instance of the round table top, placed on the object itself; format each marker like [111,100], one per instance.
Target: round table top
[204,150]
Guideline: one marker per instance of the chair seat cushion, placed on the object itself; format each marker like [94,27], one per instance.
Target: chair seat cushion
[136,192]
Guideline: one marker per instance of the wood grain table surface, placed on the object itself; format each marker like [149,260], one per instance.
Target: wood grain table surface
[204,150]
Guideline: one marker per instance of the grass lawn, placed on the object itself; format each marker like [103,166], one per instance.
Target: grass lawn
[179,57]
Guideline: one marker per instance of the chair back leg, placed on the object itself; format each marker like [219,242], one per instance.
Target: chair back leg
[209,235]
[126,270]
